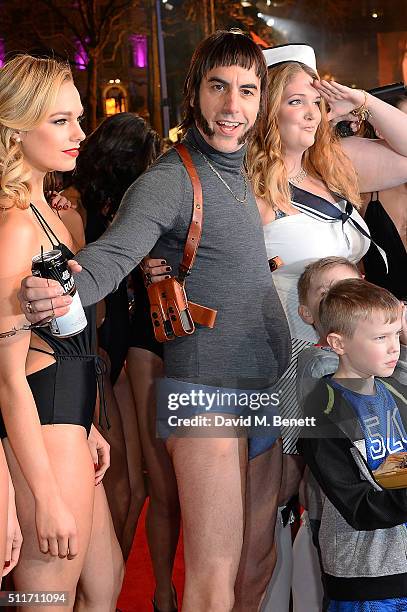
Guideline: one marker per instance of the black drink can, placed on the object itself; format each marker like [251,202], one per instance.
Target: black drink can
[52,264]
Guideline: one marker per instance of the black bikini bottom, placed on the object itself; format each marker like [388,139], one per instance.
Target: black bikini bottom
[64,392]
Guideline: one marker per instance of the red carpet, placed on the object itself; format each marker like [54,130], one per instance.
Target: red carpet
[138,586]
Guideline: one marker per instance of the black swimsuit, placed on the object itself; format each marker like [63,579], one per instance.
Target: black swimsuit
[65,391]
[385,233]
[141,327]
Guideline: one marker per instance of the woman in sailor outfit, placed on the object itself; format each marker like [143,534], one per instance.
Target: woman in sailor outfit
[307,184]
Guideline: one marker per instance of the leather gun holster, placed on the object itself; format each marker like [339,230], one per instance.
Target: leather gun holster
[171,313]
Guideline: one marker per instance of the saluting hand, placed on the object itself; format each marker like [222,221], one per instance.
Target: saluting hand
[341,100]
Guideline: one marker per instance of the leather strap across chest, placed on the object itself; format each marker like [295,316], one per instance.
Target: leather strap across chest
[195,228]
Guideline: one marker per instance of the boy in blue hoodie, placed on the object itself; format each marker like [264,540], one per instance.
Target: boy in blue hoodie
[363,538]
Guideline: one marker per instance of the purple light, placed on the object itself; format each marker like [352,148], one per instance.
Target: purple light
[81,57]
[139,44]
[2,52]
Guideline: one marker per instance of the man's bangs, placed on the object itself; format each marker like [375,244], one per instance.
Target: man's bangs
[222,49]
[235,52]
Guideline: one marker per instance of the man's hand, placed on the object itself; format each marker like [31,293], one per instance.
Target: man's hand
[42,297]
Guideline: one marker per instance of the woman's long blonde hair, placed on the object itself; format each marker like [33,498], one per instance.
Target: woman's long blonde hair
[28,89]
[324,160]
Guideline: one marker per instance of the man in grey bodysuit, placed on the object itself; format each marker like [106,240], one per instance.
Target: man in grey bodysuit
[249,348]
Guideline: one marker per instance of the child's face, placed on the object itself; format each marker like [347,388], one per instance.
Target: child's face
[319,286]
[374,348]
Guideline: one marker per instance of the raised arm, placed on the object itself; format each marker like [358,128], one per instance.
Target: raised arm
[56,526]
[378,167]
[380,164]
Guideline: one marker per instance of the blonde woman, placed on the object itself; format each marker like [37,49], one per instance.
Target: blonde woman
[48,385]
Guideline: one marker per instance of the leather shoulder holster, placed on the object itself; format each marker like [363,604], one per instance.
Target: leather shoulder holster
[171,312]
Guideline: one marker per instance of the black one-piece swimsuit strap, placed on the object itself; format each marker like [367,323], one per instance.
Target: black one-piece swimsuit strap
[66,390]
[385,233]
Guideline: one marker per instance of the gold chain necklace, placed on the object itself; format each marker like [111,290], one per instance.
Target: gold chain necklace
[241,200]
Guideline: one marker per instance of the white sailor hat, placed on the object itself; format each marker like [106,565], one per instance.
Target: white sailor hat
[296,52]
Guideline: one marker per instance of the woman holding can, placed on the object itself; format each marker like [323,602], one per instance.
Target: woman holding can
[47,384]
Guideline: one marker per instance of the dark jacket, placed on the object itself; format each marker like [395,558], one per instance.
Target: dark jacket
[363,538]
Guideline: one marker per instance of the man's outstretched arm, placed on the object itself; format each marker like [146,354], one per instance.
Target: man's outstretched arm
[149,208]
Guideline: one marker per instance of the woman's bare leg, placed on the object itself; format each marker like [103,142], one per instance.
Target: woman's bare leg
[211,475]
[134,459]
[163,515]
[123,482]
[71,463]
[116,480]
[102,574]
[4,496]
[258,558]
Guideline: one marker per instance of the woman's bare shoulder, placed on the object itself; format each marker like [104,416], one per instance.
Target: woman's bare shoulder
[18,241]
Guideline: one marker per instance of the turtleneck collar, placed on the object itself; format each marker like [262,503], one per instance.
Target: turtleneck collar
[227,161]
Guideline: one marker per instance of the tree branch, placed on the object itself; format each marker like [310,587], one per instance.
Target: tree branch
[54,37]
[82,12]
[111,9]
[116,46]
[65,19]
[111,25]
[94,26]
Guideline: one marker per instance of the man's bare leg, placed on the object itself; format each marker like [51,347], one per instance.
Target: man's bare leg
[209,475]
